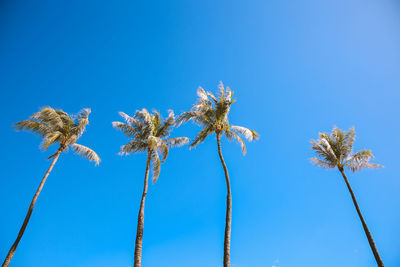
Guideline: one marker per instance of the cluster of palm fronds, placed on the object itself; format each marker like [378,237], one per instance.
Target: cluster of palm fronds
[149,132]
[336,150]
[57,126]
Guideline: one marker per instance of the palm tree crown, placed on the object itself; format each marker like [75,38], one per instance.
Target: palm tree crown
[336,150]
[57,126]
[149,132]
[211,113]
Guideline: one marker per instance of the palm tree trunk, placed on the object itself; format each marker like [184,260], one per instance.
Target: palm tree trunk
[228,218]
[30,210]
[140,224]
[366,230]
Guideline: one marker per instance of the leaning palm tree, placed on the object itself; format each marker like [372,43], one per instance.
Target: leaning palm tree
[55,126]
[147,133]
[211,113]
[335,150]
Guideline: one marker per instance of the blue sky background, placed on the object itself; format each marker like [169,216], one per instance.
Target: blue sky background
[297,68]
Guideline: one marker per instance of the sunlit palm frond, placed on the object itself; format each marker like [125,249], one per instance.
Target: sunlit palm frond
[86,153]
[131,121]
[323,164]
[176,141]
[164,149]
[125,128]
[232,135]
[250,135]
[133,146]
[202,118]
[185,117]
[49,117]
[324,151]
[341,142]
[166,126]
[145,116]
[361,156]
[201,136]
[156,165]
[50,139]
[358,166]
[360,160]
[156,119]
[33,126]
[201,93]
[67,120]
[82,120]
[349,138]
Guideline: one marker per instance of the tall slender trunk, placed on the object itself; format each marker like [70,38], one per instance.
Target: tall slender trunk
[366,230]
[30,210]
[228,218]
[140,224]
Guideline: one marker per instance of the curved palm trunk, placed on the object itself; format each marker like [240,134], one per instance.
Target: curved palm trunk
[228,218]
[140,224]
[30,210]
[366,230]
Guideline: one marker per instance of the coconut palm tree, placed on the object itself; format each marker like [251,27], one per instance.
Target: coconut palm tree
[147,133]
[54,126]
[335,150]
[211,113]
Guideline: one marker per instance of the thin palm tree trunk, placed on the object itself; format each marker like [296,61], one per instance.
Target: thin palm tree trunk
[30,210]
[366,230]
[140,224]
[228,218]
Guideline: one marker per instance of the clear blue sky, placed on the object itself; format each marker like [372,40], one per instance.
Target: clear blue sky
[297,68]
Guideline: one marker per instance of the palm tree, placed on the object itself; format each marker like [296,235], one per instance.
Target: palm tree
[335,150]
[211,113]
[55,126]
[147,133]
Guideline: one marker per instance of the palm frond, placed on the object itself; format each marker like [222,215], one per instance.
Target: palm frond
[50,139]
[250,135]
[133,146]
[166,126]
[176,141]
[156,165]
[202,94]
[86,153]
[360,160]
[34,127]
[83,120]
[164,152]
[323,164]
[156,118]
[50,117]
[324,151]
[358,166]
[131,121]
[232,135]
[349,138]
[144,115]
[201,136]
[125,128]
[202,118]
[361,156]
